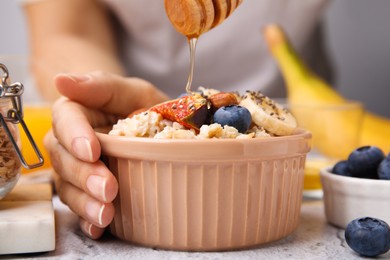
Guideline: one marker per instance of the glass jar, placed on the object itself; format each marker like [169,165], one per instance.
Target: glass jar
[11,114]
[9,162]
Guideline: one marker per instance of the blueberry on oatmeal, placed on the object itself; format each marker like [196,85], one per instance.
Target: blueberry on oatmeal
[236,116]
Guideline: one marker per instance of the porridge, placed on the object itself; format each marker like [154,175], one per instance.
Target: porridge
[210,114]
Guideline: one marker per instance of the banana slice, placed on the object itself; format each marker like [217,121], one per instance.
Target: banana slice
[268,114]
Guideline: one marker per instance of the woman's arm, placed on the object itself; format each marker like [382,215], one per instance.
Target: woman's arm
[72,36]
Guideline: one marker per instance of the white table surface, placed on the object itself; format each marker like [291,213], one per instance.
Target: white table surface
[313,239]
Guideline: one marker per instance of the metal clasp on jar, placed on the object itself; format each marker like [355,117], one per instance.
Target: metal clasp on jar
[14,115]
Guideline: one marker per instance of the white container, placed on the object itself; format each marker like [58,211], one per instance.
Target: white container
[348,198]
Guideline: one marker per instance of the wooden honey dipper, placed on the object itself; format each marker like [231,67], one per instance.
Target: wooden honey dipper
[194,17]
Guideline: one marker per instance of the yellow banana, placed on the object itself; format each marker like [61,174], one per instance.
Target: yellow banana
[305,87]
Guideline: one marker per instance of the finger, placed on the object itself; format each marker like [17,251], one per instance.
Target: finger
[91,230]
[109,92]
[93,178]
[73,126]
[73,123]
[93,211]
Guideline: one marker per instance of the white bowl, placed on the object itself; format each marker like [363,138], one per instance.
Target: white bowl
[348,198]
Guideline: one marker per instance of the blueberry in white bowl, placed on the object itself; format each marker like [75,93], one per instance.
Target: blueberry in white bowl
[363,162]
[366,162]
[357,187]
[368,236]
[384,168]
[341,168]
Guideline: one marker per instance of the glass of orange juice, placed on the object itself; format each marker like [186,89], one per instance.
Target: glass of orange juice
[335,132]
[38,120]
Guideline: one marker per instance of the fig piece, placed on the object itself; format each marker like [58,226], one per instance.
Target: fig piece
[190,111]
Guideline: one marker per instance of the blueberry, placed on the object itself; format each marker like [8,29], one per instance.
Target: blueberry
[341,168]
[384,168]
[363,162]
[368,236]
[236,116]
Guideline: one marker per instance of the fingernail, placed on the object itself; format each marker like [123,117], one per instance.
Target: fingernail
[82,147]
[91,230]
[95,211]
[97,186]
[78,78]
[86,227]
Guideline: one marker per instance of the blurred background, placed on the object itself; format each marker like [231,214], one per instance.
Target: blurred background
[358,40]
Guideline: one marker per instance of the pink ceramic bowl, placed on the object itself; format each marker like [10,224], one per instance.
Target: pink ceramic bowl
[206,195]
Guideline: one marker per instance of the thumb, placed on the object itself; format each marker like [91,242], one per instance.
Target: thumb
[109,92]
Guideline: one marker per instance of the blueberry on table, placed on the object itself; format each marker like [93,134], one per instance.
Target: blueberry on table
[368,236]
[384,168]
[363,162]
[234,115]
[341,168]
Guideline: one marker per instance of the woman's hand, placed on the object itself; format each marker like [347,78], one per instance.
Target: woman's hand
[92,100]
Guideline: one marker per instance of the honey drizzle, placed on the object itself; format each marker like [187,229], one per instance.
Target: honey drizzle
[193,39]
[192,43]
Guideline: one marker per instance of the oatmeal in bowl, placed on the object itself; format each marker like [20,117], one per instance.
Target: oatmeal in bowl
[209,113]
[213,181]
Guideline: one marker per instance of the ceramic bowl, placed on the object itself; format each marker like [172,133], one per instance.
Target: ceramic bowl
[348,198]
[206,195]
